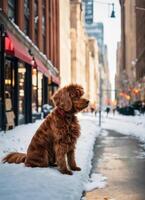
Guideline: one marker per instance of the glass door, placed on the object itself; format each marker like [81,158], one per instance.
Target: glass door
[21,94]
[9,78]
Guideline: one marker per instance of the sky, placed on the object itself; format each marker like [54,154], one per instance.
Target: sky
[112,30]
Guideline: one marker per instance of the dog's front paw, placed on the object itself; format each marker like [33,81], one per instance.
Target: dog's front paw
[76,168]
[68,172]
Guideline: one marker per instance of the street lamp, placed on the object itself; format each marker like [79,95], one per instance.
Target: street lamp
[113,11]
[109,4]
[100,94]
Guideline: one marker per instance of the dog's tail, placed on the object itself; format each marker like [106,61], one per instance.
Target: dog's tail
[15,157]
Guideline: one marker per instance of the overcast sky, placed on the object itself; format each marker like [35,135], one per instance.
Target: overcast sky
[112,29]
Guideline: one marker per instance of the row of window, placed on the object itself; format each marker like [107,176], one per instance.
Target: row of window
[36,87]
[12,13]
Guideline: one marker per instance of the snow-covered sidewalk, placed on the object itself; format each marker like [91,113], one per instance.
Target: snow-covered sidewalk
[18,182]
[128,125]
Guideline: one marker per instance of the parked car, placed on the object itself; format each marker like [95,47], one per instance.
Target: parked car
[128,110]
[46,109]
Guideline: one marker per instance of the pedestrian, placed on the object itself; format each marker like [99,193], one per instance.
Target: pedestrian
[114,110]
[96,112]
[107,110]
[92,110]
[142,108]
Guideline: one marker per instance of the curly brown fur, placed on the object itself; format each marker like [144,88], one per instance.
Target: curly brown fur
[56,138]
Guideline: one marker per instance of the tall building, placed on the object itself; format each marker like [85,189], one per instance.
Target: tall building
[132,50]
[84,54]
[29,56]
[89,6]
[65,42]
[78,40]
[97,30]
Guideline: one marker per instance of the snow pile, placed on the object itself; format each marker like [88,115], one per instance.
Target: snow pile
[128,125]
[19,182]
[96,181]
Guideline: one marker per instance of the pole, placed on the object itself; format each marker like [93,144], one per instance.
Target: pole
[100,94]
[2,81]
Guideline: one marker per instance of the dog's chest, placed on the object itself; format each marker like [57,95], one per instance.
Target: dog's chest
[70,131]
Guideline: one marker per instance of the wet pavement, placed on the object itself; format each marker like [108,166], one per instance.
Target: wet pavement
[122,160]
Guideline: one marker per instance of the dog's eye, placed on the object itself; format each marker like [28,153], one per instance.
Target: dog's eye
[72,95]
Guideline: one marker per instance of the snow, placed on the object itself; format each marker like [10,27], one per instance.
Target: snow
[96,181]
[128,125]
[19,182]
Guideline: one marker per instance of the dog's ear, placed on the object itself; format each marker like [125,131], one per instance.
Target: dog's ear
[62,100]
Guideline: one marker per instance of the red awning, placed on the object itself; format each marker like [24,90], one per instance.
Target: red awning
[41,67]
[45,71]
[14,47]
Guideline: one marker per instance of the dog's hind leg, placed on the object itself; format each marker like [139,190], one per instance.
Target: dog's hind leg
[37,159]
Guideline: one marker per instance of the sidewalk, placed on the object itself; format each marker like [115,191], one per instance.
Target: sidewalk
[20,183]
[106,157]
[120,159]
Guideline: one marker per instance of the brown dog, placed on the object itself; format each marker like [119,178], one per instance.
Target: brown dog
[56,137]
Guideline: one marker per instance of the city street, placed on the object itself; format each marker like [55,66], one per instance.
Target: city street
[72,99]
[121,159]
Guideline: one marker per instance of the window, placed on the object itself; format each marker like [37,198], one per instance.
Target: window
[34,91]
[11,10]
[21,78]
[8,77]
[36,21]
[44,25]
[26,17]
[39,91]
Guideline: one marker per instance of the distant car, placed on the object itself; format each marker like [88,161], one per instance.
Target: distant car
[128,110]
[46,109]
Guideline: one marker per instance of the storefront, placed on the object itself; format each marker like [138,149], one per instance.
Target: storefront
[24,77]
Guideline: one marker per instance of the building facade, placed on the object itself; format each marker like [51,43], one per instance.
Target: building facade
[78,40]
[89,11]
[131,70]
[93,72]
[65,42]
[96,30]
[29,63]
[84,54]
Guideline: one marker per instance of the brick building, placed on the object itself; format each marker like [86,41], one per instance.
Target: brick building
[29,56]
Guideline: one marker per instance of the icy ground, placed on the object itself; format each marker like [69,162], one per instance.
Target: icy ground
[19,183]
